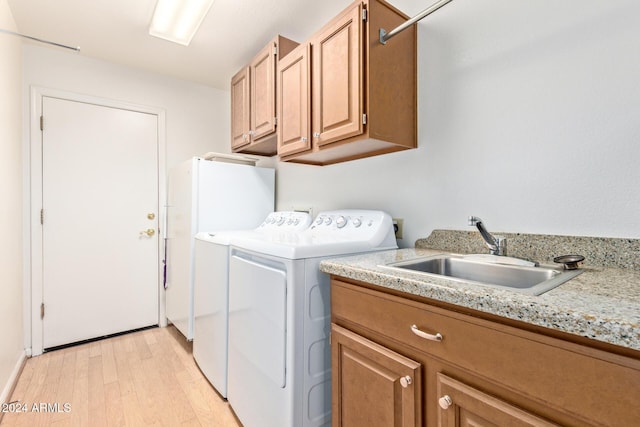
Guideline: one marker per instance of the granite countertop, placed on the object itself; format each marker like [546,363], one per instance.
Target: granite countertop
[602,303]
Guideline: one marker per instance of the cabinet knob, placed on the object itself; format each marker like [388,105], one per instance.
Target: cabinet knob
[252,132]
[316,134]
[245,136]
[406,381]
[303,139]
[445,401]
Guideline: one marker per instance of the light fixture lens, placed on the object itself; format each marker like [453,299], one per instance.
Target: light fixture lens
[178,20]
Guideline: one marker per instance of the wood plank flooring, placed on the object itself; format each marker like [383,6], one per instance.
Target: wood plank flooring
[146,378]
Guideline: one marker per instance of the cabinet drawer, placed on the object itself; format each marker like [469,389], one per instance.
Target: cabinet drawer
[566,376]
[414,324]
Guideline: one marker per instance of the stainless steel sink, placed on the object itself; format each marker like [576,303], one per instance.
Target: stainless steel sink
[533,280]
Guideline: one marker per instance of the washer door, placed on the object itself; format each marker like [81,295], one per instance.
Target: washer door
[257,316]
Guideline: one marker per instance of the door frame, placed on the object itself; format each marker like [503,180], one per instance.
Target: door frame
[33,295]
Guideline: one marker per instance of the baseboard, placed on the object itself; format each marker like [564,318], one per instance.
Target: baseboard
[13,380]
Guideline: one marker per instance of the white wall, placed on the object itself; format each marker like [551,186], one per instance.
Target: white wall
[11,348]
[529,117]
[196,115]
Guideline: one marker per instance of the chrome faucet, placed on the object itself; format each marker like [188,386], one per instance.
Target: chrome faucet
[497,244]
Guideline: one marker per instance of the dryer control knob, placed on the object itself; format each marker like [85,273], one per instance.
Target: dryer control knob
[341,221]
[319,220]
[357,222]
[327,220]
[281,220]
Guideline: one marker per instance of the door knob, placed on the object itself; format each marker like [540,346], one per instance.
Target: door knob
[149,232]
[151,215]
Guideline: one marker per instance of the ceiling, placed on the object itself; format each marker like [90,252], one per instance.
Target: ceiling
[117,31]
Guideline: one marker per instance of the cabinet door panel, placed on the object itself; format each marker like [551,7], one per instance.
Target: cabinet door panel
[294,80]
[263,103]
[471,407]
[240,120]
[338,79]
[371,385]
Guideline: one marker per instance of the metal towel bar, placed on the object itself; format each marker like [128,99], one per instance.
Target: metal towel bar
[384,36]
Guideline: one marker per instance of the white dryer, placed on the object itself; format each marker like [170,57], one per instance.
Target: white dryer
[279,317]
[211,291]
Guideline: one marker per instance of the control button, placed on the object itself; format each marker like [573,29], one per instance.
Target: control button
[341,221]
[357,222]
[319,220]
[289,221]
[281,220]
[296,221]
[327,220]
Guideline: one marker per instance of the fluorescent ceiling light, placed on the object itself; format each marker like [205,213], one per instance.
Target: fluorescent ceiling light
[178,20]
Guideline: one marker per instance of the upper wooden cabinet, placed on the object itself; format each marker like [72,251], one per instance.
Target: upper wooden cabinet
[240,118]
[253,101]
[362,94]
[294,85]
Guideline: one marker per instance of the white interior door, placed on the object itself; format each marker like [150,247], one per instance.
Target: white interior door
[100,192]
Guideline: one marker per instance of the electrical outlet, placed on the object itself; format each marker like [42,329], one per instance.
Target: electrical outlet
[398,226]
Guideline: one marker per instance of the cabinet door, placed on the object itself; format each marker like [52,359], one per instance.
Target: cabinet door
[294,101]
[371,385]
[240,124]
[338,70]
[462,405]
[263,94]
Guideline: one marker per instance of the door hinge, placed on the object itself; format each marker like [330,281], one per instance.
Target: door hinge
[364,119]
[275,121]
[42,216]
[275,50]
[41,123]
[42,311]
[364,15]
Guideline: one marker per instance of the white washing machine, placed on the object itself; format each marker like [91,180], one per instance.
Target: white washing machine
[211,291]
[279,317]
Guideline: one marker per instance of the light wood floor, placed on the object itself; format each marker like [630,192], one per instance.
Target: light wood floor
[146,378]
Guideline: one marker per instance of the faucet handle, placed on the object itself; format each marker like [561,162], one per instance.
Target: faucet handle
[473,220]
[501,243]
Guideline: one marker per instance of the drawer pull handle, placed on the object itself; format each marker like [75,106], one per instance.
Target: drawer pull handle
[418,332]
[406,381]
[445,401]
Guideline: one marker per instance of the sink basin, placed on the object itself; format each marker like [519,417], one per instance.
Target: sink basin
[533,280]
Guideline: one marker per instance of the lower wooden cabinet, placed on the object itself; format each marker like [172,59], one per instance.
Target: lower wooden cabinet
[465,370]
[373,386]
[462,405]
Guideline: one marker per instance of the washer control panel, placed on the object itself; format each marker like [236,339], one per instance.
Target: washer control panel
[286,221]
[351,223]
